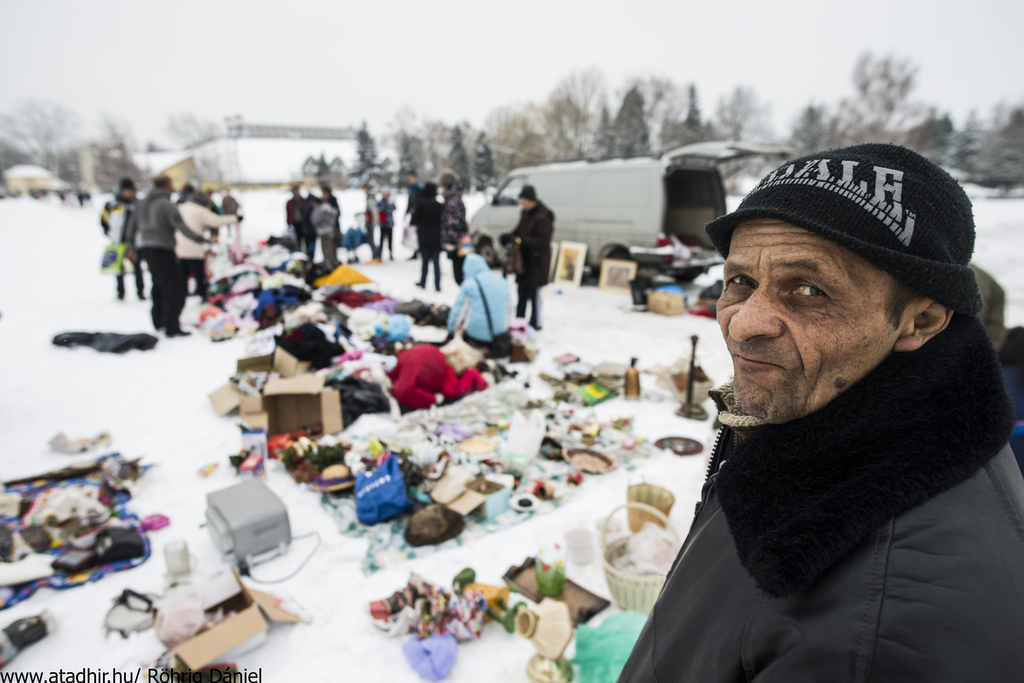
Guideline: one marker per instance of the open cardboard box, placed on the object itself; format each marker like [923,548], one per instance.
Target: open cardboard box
[238,634]
[288,405]
[487,498]
[227,398]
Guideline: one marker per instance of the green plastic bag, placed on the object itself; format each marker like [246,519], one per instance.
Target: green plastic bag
[601,652]
[113,258]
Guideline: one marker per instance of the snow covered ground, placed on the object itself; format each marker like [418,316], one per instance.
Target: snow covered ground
[154,404]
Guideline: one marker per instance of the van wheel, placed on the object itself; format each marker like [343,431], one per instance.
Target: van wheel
[485,247]
[618,253]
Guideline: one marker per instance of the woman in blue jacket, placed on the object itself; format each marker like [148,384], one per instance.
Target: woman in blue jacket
[468,312]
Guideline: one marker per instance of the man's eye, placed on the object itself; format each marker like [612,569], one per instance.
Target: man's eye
[741,280]
[808,290]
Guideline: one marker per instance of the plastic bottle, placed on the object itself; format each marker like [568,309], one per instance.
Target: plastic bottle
[632,381]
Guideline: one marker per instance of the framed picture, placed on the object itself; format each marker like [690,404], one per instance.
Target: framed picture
[554,261]
[571,258]
[616,275]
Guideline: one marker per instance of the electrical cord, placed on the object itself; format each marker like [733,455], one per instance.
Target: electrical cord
[246,570]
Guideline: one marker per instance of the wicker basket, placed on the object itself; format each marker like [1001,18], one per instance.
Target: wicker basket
[632,591]
[652,495]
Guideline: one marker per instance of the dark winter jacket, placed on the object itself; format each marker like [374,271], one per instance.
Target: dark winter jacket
[453,219]
[427,219]
[156,219]
[294,211]
[880,538]
[414,197]
[534,231]
[229,206]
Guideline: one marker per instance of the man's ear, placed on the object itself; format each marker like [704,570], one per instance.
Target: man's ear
[922,321]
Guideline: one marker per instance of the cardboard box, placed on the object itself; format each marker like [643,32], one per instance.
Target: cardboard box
[288,405]
[234,636]
[228,398]
[666,303]
[281,362]
[487,498]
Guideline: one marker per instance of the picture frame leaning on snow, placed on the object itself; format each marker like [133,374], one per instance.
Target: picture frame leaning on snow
[616,274]
[571,258]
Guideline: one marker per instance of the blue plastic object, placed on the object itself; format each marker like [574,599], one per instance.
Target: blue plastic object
[432,658]
[380,495]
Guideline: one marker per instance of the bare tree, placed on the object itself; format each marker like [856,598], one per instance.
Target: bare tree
[880,110]
[113,152]
[405,134]
[189,131]
[742,116]
[572,112]
[43,130]
[517,136]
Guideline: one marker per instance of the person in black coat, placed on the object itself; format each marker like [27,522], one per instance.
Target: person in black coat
[536,225]
[427,219]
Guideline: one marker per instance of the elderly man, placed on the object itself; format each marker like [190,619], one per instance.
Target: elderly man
[862,515]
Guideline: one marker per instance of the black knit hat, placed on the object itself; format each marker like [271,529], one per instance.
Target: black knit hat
[528,193]
[127,184]
[885,203]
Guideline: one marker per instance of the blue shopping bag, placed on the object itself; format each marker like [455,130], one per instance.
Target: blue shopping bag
[380,495]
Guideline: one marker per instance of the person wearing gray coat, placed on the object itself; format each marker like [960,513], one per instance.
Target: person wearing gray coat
[156,221]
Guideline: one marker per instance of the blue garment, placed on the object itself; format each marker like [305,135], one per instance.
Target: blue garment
[1017,394]
[387,214]
[354,237]
[494,287]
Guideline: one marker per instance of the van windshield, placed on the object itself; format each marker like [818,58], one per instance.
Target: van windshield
[508,195]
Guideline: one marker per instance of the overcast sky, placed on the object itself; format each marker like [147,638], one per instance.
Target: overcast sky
[339,63]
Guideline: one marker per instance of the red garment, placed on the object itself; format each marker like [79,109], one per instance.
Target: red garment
[422,372]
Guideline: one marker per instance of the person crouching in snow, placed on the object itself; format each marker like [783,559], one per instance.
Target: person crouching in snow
[422,378]
[482,292]
[191,254]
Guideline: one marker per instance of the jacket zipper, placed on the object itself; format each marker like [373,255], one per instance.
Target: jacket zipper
[714,464]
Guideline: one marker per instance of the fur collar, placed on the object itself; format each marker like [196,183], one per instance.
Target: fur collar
[799,496]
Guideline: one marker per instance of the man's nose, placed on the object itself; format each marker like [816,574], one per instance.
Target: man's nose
[756,317]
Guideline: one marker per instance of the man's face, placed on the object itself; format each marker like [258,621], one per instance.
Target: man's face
[803,319]
[128,195]
[527,204]
[411,179]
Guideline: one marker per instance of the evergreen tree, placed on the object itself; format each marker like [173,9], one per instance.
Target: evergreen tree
[323,171]
[406,160]
[605,144]
[810,130]
[458,158]
[693,117]
[484,170]
[367,163]
[967,146]
[1004,153]
[632,133]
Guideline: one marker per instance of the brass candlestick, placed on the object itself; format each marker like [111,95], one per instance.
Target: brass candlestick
[690,409]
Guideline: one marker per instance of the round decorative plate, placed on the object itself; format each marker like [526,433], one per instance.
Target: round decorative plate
[680,445]
[590,461]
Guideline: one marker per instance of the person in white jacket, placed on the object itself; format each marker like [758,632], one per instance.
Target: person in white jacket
[198,217]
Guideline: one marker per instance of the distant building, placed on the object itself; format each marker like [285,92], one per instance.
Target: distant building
[180,166]
[254,155]
[25,178]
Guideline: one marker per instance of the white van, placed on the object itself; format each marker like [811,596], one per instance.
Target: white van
[619,207]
